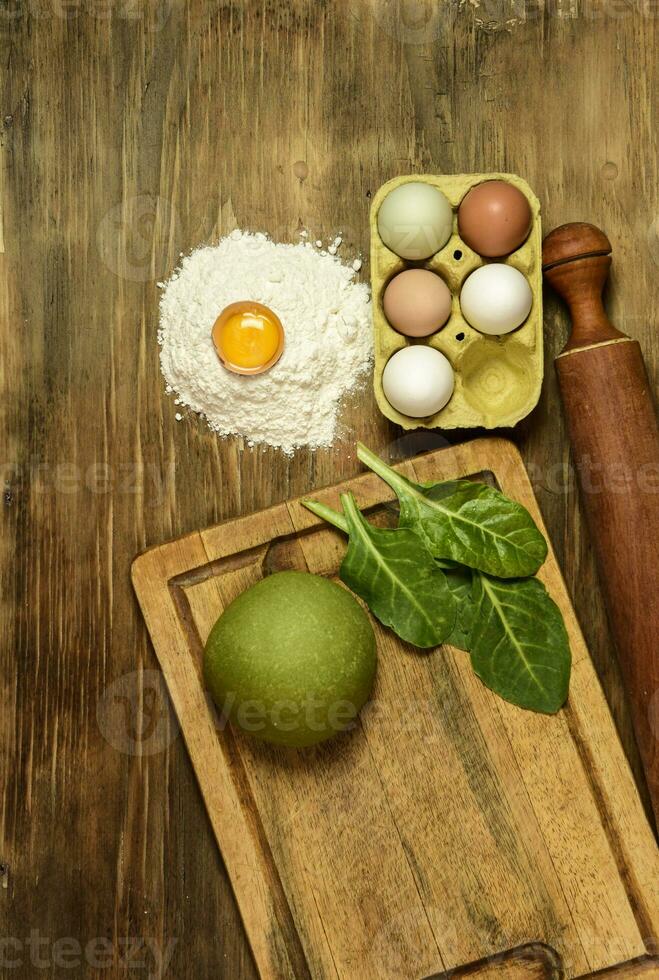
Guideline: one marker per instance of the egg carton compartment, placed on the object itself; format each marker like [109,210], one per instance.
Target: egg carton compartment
[497,378]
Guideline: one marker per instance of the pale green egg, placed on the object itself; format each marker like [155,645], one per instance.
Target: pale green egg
[415,220]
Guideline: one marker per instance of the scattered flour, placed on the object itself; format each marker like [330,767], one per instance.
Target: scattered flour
[328,345]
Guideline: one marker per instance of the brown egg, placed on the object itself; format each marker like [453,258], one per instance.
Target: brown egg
[417,302]
[494,218]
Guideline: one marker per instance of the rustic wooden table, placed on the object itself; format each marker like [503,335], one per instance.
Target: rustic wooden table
[130,132]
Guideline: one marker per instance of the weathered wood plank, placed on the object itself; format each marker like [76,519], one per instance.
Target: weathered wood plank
[130,132]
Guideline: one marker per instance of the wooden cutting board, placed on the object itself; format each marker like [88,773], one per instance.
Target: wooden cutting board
[448,827]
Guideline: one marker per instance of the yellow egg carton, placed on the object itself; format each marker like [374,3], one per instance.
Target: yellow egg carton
[497,379]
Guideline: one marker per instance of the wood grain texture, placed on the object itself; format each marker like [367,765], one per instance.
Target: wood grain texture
[450,825]
[530,962]
[540,962]
[131,132]
[644,968]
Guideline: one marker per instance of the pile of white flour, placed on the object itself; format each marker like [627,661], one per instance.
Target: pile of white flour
[328,345]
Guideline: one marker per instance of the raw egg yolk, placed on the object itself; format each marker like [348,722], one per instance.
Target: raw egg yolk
[248,337]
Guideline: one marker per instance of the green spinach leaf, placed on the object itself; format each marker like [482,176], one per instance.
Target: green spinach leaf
[467,522]
[519,644]
[395,574]
[460,582]
[414,580]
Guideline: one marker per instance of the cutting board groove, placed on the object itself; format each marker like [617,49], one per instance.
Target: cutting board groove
[449,826]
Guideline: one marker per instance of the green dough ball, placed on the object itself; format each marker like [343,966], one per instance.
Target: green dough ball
[291,660]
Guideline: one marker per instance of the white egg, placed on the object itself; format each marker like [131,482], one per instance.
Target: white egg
[496,299]
[415,220]
[418,381]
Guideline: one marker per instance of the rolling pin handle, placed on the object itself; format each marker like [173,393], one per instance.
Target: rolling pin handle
[576,259]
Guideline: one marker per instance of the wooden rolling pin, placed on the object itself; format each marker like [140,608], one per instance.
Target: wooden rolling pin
[613,431]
